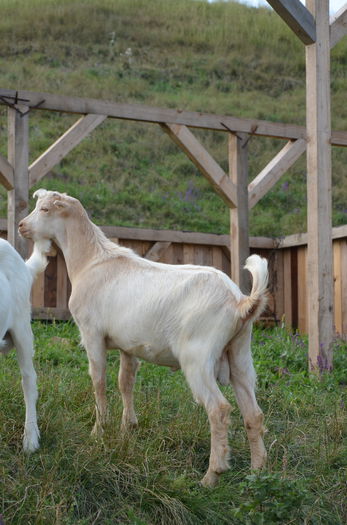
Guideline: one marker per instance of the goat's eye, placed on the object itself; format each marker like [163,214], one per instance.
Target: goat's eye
[44,209]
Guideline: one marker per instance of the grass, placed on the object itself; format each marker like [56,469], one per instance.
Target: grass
[151,475]
[219,57]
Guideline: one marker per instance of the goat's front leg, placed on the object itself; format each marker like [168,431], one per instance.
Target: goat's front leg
[96,352]
[126,380]
[23,341]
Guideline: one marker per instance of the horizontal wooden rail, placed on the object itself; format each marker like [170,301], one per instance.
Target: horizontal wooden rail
[287,258]
[142,113]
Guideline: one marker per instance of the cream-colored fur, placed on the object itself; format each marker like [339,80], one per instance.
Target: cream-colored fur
[189,317]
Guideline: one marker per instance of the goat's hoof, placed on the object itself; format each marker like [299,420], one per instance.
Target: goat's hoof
[97,431]
[31,442]
[128,426]
[258,462]
[210,479]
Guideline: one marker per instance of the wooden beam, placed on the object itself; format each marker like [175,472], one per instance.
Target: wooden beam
[18,155]
[239,231]
[319,260]
[55,153]
[297,17]
[6,173]
[338,26]
[299,239]
[142,234]
[263,182]
[142,113]
[203,161]
[338,138]
[156,252]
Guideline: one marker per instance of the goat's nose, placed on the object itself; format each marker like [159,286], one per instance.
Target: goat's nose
[20,224]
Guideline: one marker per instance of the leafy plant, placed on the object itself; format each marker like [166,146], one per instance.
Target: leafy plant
[271,499]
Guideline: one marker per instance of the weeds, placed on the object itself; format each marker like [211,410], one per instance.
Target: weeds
[152,475]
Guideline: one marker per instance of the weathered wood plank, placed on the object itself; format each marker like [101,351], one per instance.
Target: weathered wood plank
[18,197]
[62,282]
[337,287]
[268,177]
[287,288]
[299,239]
[61,147]
[38,291]
[137,112]
[156,252]
[344,286]
[319,204]
[188,254]
[217,258]
[302,290]
[50,298]
[338,26]
[6,173]
[297,17]
[177,254]
[239,231]
[51,314]
[278,285]
[203,161]
[122,232]
[142,113]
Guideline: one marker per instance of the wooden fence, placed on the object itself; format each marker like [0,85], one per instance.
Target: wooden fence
[287,267]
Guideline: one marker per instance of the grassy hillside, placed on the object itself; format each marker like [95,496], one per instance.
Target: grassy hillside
[221,58]
[151,476]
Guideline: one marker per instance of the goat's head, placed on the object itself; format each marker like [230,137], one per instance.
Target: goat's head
[47,220]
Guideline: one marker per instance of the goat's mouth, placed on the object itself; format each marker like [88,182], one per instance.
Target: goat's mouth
[24,232]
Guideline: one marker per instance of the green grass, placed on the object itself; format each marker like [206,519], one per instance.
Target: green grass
[219,57]
[152,475]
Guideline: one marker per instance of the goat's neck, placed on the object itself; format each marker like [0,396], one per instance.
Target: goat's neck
[80,245]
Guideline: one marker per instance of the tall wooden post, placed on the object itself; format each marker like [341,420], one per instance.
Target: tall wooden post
[238,170]
[318,122]
[18,156]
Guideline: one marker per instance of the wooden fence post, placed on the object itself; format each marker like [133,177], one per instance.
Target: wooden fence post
[239,236]
[18,156]
[319,260]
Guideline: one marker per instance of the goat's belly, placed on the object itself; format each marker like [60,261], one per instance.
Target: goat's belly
[153,355]
[147,352]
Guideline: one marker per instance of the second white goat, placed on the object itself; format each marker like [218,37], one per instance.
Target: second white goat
[16,278]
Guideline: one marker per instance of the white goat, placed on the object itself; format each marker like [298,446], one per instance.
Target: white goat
[189,317]
[16,278]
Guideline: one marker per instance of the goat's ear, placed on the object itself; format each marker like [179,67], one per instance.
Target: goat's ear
[40,193]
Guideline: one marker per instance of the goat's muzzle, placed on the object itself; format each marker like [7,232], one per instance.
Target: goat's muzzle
[24,231]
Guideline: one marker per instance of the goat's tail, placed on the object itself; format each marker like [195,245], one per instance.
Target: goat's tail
[38,261]
[252,306]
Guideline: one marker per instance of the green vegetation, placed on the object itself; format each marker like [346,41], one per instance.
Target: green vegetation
[222,58]
[151,476]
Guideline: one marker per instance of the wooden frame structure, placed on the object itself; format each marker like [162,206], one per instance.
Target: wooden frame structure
[312,26]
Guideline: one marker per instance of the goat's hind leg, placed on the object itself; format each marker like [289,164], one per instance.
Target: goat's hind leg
[23,341]
[202,381]
[243,379]
[126,380]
